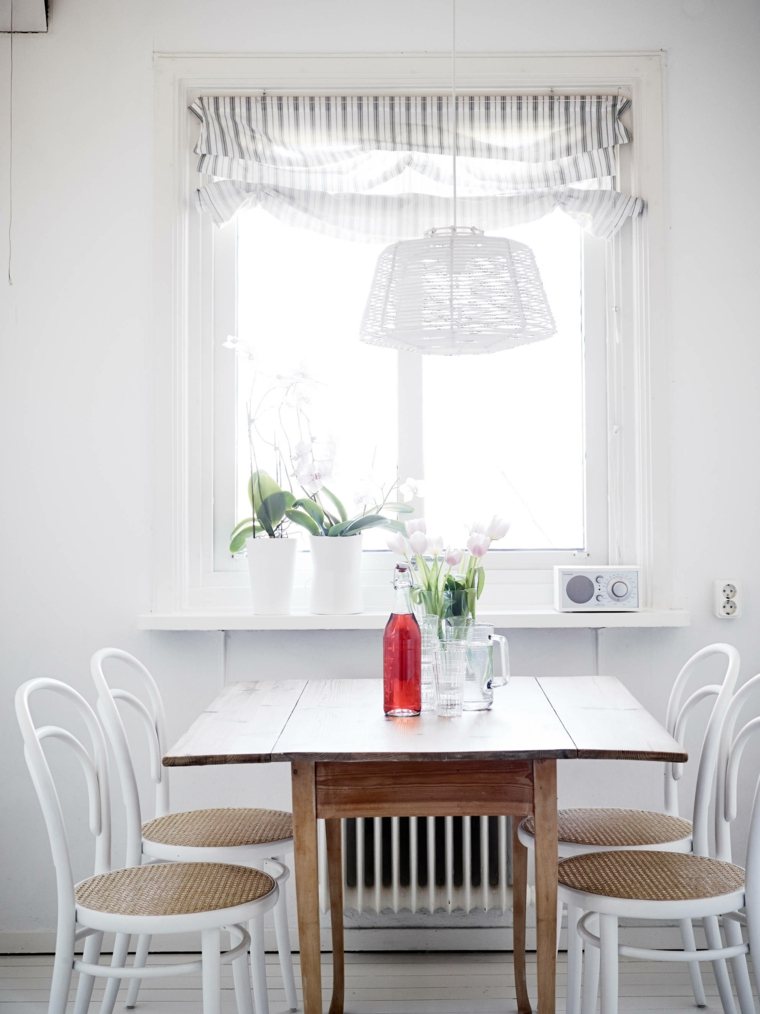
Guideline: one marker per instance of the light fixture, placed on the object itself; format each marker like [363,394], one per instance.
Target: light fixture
[456,291]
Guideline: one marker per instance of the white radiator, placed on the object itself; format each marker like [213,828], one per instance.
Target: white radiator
[425,865]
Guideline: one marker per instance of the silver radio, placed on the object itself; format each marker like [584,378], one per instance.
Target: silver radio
[596,589]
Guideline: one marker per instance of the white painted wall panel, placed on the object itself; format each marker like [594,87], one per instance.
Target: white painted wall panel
[77,347]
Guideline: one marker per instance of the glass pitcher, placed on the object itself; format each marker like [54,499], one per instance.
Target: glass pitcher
[480,678]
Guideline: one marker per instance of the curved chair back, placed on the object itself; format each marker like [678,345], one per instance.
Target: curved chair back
[93,759]
[153,721]
[732,751]
[680,707]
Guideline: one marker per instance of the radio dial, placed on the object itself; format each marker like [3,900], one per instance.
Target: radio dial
[619,589]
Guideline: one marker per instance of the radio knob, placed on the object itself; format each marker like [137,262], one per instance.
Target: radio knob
[619,589]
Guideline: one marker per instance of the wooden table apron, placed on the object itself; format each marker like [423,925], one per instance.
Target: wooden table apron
[347,760]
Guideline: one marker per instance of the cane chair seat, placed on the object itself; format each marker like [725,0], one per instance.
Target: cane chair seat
[650,876]
[220,828]
[173,889]
[616,828]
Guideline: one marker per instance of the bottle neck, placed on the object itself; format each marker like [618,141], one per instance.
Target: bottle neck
[402,586]
[401,600]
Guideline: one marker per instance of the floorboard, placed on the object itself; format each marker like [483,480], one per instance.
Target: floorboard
[409,983]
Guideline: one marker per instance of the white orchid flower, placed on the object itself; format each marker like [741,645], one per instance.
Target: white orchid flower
[497,528]
[409,489]
[478,544]
[418,541]
[416,525]
[397,544]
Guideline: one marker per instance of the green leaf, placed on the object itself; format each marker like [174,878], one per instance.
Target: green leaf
[241,533]
[302,518]
[399,508]
[481,582]
[313,510]
[336,530]
[395,526]
[366,521]
[260,486]
[272,510]
[335,502]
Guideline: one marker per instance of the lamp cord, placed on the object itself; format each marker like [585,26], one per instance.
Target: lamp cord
[454,103]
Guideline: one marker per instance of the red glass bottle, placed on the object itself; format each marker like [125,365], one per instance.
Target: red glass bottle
[402,653]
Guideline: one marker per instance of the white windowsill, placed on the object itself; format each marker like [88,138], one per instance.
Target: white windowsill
[515,619]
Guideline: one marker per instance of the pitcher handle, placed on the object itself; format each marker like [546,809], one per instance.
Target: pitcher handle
[503,678]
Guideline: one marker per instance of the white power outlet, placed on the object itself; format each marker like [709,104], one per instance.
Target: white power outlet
[726,599]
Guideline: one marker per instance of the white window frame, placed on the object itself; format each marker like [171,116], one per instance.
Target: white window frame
[189,373]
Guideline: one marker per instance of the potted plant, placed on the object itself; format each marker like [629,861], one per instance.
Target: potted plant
[336,541]
[263,535]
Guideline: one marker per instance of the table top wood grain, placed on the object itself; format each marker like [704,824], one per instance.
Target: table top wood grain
[342,720]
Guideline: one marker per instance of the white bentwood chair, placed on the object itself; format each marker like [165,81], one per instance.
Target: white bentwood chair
[168,898]
[249,836]
[603,829]
[674,886]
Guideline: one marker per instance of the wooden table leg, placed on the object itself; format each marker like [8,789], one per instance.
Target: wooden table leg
[545,807]
[519,900]
[335,878]
[307,883]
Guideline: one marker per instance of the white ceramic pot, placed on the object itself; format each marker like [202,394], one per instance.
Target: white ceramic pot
[336,571]
[271,565]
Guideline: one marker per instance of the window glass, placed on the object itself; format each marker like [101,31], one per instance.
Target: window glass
[500,434]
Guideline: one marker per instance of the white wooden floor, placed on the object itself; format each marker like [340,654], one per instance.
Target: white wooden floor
[443,983]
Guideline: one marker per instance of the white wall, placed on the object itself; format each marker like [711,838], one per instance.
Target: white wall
[77,341]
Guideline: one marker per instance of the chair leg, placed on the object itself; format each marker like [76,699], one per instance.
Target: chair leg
[690,944]
[242,980]
[118,960]
[519,905]
[574,960]
[212,971]
[739,965]
[608,933]
[91,955]
[141,957]
[258,966]
[720,968]
[590,973]
[63,966]
[282,933]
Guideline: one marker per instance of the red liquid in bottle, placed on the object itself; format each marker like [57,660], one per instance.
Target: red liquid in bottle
[402,666]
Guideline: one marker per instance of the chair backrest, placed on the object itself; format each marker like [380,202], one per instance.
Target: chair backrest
[93,758]
[732,750]
[151,713]
[680,708]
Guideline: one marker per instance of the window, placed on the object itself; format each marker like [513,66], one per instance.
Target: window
[549,435]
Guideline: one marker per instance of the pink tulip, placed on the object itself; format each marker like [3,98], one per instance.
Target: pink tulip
[435,545]
[419,543]
[453,557]
[478,544]
[397,544]
[416,525]
[497,528]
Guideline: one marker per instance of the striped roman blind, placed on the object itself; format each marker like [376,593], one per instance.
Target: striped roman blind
[328,162]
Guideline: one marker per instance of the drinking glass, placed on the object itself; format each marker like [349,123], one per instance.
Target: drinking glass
[449,667]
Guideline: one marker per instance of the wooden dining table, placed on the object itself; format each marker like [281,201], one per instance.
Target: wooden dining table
[348,760]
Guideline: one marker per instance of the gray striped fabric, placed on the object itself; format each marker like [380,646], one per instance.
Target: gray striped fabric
[319,160]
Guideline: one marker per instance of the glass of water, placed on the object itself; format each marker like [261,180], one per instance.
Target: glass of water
[449,667]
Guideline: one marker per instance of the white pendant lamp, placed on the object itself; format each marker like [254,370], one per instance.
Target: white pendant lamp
[456,291]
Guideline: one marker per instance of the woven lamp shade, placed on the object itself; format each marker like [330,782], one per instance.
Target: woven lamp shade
[456,292]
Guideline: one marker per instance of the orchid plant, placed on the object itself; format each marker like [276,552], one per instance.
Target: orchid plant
[449,581]
[280,435]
